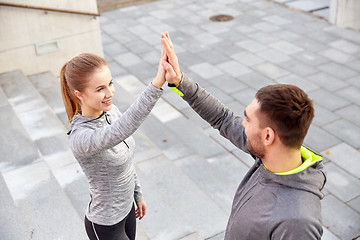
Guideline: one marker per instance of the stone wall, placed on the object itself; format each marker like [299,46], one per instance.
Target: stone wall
[345,13]
[36,40]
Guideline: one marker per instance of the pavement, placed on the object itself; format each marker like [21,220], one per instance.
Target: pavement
[189,173]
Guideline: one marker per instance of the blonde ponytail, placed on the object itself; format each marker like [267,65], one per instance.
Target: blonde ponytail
[71,103]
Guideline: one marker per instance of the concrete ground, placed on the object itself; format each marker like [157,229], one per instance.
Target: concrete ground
[189,173]
[108,5]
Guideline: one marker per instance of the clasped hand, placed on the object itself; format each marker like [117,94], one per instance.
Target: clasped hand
[169,69]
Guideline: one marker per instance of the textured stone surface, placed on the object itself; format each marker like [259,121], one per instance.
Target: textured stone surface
[177,152]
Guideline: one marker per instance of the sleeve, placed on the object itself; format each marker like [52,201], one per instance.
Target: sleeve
[88,141]
[137,192]
[213,111]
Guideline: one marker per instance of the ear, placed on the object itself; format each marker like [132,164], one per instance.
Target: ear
[78,95]
[269,136]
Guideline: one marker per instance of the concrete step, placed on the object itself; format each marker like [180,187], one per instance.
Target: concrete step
[71,178]
[49,88]
[12,226]
[42,125]
[48,187]
[16,147]
[42,204]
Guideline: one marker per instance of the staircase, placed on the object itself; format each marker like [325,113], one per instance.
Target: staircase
[44,193]
[43,190]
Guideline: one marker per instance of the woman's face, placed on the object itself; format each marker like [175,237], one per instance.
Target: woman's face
[97,97]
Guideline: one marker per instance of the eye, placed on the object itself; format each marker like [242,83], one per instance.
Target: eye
[111,83]
[99,89]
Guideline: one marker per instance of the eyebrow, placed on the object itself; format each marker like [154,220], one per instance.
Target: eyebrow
[246,116]
[101,86]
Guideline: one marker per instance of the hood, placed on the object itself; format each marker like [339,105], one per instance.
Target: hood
[310,176]
[81,121]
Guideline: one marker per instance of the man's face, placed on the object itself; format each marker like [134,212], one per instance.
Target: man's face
[251,123]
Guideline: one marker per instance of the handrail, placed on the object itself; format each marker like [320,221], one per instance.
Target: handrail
[48,9]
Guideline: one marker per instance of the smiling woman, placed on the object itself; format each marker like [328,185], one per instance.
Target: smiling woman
[101,141]
[97,97]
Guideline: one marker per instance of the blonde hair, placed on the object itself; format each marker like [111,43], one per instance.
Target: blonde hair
[74,76]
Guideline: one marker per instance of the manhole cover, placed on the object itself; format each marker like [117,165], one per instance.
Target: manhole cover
[221,18]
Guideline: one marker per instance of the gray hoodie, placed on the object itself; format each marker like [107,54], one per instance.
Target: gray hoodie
[103,146]
[266,205]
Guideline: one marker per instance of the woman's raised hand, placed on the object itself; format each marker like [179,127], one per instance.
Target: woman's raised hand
[171,65]
[160,76]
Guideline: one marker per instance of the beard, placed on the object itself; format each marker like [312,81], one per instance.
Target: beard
[255,147]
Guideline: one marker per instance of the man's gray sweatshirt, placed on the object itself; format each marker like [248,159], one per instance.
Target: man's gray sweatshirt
[266,205]
[103,146]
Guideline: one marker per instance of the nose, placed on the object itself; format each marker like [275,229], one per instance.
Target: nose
[109,92]
[243,123]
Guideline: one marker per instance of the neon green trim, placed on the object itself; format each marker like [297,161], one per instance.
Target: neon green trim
[177,91]
[310,158]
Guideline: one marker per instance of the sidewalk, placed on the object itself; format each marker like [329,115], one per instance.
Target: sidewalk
[189,173]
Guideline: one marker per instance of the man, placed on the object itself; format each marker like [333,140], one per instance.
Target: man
[279,197]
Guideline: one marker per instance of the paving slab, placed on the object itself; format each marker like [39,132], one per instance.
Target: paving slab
[294,79]
[320,139]
[245,96]
[346,131]
[271,70]
[194,137]
[355,204]
[299,68]
[321,96]
[326,81]
[274,56]
[337,56]
[170,191]
[333,210]
[324,116]
[227,169]
[337,70]
[172,146]
[350,113]
[234,68]
[227,84]
[346,157]
[206,70]
[342,185]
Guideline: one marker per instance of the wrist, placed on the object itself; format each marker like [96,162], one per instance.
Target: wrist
[157,83]
[177,79]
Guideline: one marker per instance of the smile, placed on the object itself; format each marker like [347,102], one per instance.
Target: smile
[108,102]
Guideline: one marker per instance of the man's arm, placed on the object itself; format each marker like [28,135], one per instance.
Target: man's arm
[206,105]
[213,111]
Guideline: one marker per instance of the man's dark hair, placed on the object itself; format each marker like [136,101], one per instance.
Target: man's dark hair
[288,110]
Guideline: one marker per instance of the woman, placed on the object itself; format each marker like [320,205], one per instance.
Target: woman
[100,138]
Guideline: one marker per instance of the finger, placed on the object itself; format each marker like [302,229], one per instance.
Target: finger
[167,47]
[169,39]
[138,213]
[144,210]
[163,52]
[141,213]
[169,69]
